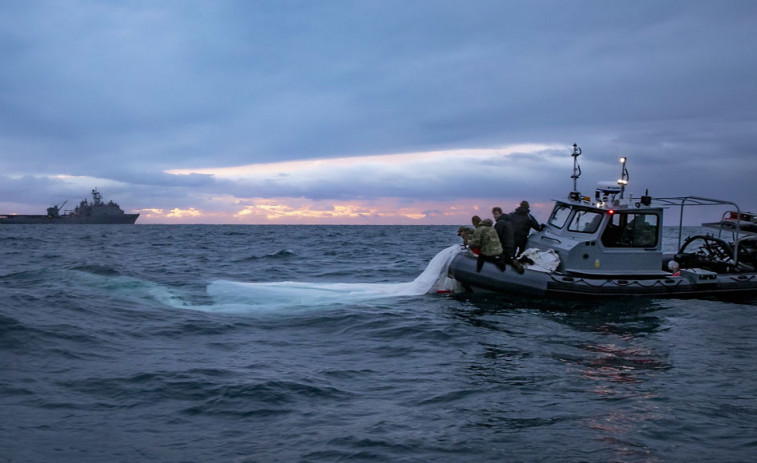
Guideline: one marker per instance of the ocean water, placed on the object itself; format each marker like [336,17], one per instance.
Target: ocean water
[330,343]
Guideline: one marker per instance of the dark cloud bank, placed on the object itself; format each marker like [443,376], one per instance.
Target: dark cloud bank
[124,92]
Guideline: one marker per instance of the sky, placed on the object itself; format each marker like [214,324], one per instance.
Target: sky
[371,112]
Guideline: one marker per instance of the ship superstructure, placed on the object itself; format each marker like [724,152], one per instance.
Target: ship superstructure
[94,212]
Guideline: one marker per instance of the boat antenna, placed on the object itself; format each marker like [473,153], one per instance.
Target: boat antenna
[624,177]
[576,172]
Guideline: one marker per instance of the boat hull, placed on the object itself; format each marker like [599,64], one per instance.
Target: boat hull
[556,285]
[66,219]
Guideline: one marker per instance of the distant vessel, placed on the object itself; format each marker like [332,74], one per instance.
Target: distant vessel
[96,212]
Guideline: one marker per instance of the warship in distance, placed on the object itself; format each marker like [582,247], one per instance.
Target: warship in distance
[96,212]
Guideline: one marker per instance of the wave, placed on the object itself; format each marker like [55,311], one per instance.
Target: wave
[101,280]
[275,255]
[97,270]
[235,296]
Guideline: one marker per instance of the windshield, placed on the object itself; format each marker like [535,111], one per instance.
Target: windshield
[585,221]
[559,215]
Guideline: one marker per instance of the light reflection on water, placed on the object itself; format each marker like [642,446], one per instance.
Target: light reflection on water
[606,359]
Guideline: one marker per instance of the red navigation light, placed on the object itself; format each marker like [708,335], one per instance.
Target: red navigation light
[611,212]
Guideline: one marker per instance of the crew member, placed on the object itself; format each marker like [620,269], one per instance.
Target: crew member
[490,249]
[464,233]
[504,231]
[522,222]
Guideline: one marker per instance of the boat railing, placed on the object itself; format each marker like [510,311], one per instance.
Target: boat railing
[684,201]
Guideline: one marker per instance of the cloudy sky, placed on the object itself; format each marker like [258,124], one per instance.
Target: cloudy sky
[371,112]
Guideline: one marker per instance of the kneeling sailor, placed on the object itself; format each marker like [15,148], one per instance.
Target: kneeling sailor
[485,238]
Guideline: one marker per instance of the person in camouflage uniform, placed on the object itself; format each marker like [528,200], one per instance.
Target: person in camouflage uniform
[465,233]
[485,238]
[486,241]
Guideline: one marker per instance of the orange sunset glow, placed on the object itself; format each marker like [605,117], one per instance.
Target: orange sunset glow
[301,211]
[378,184]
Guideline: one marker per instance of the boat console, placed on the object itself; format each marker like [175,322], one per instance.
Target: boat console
[612,235]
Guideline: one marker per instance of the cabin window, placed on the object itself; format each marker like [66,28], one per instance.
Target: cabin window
[559,216]
[585,221]
[627,230]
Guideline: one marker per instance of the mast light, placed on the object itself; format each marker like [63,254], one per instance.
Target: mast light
[624,177]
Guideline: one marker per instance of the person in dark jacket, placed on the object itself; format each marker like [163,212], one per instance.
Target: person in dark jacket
[522,222]
[504,230]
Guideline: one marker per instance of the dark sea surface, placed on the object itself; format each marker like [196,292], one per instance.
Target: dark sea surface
[319,343]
